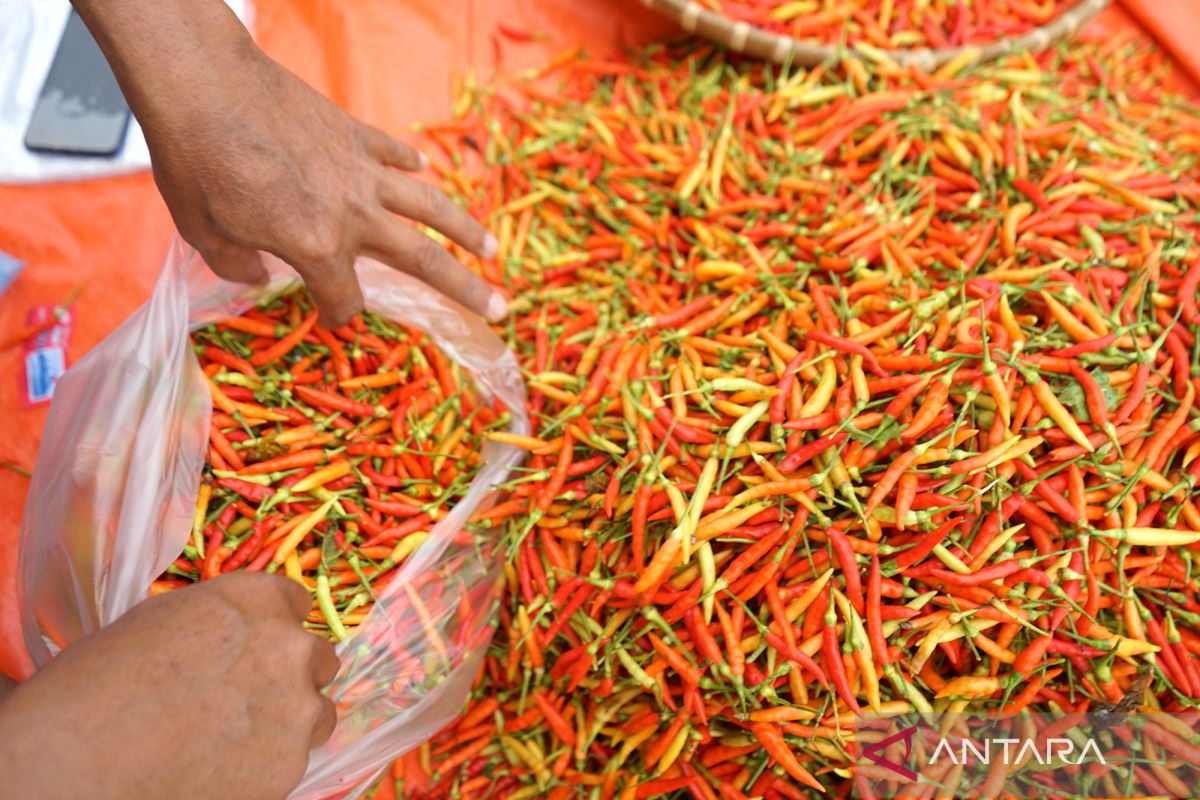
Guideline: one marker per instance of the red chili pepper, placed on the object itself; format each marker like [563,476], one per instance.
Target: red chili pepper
[1092,346]
[849,563]
[399,531]
[298,460]
[832,656]
[777,410]
[251,491]
[680,430]
[847,346]
[704,642]
[793,653]
[802,455]
[334,402]
[555,720]
[559,476]
[916,554]
[287,343]
[875,612]
[689,673]
[772,740]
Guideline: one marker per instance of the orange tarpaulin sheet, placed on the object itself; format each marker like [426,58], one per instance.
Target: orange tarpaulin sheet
[389,62]
[1176,25]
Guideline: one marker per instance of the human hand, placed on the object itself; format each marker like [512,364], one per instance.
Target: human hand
[250,158]
[215,687]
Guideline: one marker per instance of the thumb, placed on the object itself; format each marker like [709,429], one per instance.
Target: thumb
[234,263]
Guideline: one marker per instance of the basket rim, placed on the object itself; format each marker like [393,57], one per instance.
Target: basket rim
[756,41]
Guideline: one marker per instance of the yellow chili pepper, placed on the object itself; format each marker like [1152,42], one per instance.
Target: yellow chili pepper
[201,514]
[1150,537]
[1061,416]
[297,534]
[326,474]
[819,400]
[970,686]
[328,610]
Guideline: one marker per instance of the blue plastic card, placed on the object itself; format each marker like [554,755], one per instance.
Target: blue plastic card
[10,268]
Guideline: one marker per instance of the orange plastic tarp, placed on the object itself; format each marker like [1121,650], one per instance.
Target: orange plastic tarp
[389,62]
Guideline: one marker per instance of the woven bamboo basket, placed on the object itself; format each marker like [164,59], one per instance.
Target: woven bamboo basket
[751,40]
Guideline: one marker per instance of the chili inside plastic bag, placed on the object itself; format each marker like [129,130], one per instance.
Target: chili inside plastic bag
[114,491]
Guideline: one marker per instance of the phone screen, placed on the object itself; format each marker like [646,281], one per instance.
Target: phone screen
[81,109]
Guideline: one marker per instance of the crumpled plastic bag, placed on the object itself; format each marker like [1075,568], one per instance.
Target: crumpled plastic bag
[113,495]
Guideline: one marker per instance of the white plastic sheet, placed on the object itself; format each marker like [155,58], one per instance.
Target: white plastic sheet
[113,495]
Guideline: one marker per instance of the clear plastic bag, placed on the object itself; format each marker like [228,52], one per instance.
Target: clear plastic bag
[113,496]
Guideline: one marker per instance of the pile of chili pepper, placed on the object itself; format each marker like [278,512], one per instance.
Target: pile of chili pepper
[853,389]
[895,24]
[331,453]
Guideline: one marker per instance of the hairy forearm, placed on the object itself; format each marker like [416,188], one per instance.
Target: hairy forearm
[162,51]
[250,159]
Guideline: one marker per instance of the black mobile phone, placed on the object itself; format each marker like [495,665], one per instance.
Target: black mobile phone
[81,109]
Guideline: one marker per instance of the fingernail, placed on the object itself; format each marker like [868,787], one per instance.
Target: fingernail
[490,246]
[422,159]
[497,307]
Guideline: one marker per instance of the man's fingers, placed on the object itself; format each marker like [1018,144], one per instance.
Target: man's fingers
[403,247]
[296,597]
[392,152]
[426,203]
[335,288]
[262,593]
[233,263]
[325,662]
[326,721]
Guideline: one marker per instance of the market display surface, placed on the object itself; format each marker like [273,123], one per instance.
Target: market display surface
[331,453]
[853,389]
[894,24]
